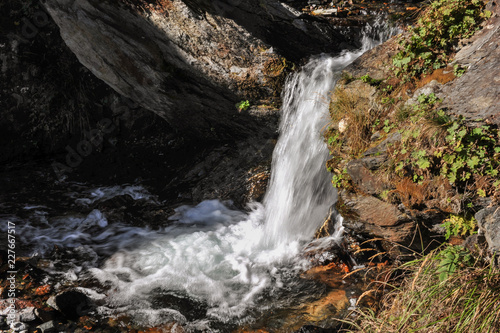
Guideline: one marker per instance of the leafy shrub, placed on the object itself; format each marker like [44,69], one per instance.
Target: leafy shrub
[450,260]
[371,81]
[243,105]
[438,30]
[459,226]
[436,146]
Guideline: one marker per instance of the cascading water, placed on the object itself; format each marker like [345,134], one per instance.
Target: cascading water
[223,257]
[221,262]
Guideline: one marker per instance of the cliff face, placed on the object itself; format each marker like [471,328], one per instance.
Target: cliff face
[421,141]
[190,62]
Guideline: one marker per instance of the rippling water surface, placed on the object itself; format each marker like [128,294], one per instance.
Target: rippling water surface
[211,263]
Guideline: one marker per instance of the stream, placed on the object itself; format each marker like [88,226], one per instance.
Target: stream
[211,267]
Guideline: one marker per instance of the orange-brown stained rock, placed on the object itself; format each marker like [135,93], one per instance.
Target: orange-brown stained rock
[330,274]
[327,306]
[42,290]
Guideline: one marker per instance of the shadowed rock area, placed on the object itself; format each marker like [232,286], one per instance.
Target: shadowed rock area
[191,62]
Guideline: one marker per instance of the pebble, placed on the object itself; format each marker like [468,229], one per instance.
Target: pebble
[18,327]
[27,314]
[47,327]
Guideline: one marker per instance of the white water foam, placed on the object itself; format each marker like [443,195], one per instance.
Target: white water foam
[220,257]
[223,258]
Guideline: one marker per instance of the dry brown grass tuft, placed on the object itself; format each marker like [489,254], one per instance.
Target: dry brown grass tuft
[467,301]
[353,108]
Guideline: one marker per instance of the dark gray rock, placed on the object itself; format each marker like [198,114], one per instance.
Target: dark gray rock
[382,147]
[376,62]
[374,162]
[72,304]
[488,221]
[476,94]
[475,242]
[363,178]
[191,61]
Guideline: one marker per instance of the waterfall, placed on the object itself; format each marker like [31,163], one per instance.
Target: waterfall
[222,261]
[299,193]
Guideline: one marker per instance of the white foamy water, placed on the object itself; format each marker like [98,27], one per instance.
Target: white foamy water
[225,258]
[220,258]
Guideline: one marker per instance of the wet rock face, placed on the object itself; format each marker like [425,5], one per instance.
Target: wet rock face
[190,61]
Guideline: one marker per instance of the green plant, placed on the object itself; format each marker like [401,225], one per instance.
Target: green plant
[451,259]
[384,195]
[463,297]
[387,100]
[459,70]
[457,225]
[431,41]
[388,126]
[340,179]
[372,82]
[243,105]
[433,146]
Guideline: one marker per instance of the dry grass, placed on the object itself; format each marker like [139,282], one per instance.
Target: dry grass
[353,108]
[468,301]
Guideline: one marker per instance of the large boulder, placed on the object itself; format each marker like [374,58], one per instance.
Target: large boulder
[191,61]
[476,94]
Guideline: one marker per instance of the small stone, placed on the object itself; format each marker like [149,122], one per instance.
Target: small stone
[382,147]
[18,326]
[342,125]
[27,314]
[47,327]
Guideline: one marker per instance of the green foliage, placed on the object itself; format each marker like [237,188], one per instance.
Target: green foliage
[429,100]
[388,126]
[387,100]
[459,70]
[451,259]
[457,225]
[372,82]
[433,38]
[444,291]
[455,151]
[340,179]
[384,195]
[469,151]
[243,105]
